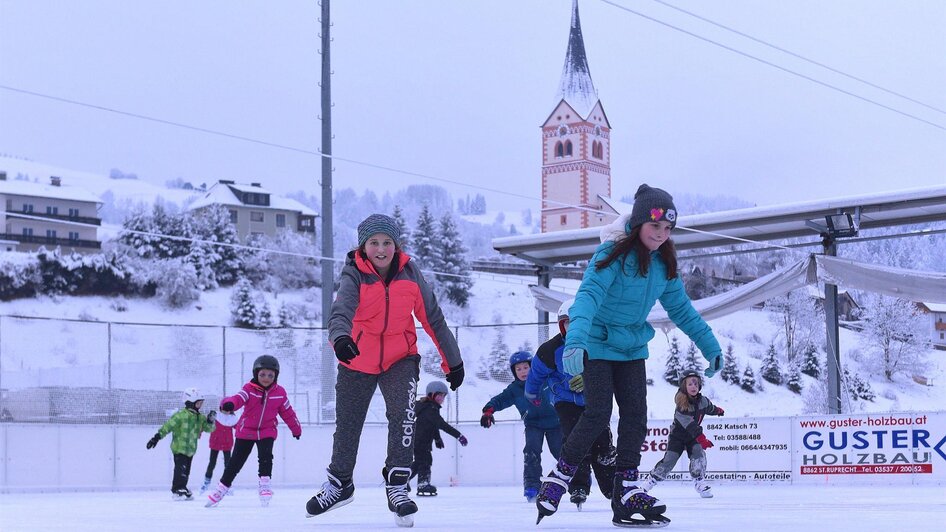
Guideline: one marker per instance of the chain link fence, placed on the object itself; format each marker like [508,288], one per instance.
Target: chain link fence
[73,371]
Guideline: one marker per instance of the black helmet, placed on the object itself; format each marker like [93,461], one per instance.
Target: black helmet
[265,362]
[690,373]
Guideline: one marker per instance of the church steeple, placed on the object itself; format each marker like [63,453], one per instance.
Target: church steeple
[576,86]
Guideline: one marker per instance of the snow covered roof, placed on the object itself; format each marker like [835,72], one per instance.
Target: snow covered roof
[935,307]
[619,206]
[222,194]
[64,192]
[576,87]
[886,209]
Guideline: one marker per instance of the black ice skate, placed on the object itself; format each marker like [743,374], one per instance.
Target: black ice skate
[425,488]
[182,494]
[334,494]
[578,497]
[628,500]
[398,501]
[553,488]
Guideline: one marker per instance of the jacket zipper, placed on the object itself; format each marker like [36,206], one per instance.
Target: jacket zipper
[387,310]
[259,426]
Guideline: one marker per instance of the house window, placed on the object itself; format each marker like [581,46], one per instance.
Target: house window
[73,213]
[51,234]
[559,150]
[27,207]
[280,220]
[233,216]
[27,231]
[52,210]
[73,235]
[256,216]
[564,219]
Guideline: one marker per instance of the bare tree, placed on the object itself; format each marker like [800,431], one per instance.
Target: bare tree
[799,318]
[893,334]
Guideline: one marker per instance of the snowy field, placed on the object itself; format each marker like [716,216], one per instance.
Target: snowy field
[739,507]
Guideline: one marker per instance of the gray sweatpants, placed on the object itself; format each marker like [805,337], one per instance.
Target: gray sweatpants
[353,392]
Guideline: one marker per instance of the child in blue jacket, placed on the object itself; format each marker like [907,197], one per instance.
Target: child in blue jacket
[540,420]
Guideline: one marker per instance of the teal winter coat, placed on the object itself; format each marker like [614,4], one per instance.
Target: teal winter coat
[609,316]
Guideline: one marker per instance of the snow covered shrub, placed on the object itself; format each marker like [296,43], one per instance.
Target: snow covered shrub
[119,304]
[176,282]
[19,275]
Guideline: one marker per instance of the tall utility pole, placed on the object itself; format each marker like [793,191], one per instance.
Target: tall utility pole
[328,249]
[831,327]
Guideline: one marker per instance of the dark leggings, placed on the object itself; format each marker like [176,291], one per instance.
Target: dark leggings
[241,451]
[182,471]
[213,462]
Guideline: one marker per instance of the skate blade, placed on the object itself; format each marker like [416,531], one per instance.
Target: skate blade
[404,521]
[650,522]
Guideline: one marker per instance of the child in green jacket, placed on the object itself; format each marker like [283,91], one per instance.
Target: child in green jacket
[185,425]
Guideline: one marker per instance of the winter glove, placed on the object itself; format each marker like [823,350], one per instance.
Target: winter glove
[227,407]
[715,364]
[720,411]
[576,384]
[212,416]
[533,398]
[345,349]
[573,360]
[704,443]
[153,442]
[487,420]
[439,444]
[463,441]
[455,376]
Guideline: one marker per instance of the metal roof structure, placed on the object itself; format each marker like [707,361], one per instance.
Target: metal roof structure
[759,224]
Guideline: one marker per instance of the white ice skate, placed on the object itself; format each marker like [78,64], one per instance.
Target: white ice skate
[265,491]
[703,489]
[649,484]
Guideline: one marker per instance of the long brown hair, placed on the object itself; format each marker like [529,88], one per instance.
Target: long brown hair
[632,242]
[682,398]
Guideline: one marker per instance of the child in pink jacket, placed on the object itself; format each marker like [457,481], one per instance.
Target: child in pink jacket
[261,399]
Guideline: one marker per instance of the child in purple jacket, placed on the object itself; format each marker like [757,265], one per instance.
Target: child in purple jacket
[261,399]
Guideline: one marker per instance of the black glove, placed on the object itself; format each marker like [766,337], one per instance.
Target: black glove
[455,376]
[487,420]
[211,416]
[463,441]
[153,442]
[345,349]
[227,407]
[297,436]
[439,444]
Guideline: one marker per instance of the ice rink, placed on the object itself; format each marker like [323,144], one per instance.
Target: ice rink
[740,507]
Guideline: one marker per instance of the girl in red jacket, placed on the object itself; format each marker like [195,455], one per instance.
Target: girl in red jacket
[221,440]
[261,399]
[380,293]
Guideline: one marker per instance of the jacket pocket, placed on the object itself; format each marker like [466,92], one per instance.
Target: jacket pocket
[624,338]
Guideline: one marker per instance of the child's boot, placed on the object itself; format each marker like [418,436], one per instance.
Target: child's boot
[649,484]
[703,489]
[578,497]
[216,495]
[424,487]
[335,493]
[182,494]
[205,486]
[530,494]
[265,491]
[628,499]
[553,488]
[395,485]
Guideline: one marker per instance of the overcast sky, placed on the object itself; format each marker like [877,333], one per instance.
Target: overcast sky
[458,90]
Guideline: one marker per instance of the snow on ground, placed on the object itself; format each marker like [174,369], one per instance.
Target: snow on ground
[736,506]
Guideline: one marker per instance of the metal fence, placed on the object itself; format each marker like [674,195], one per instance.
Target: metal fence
[73,371]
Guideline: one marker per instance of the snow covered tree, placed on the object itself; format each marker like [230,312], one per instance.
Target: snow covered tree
[810,365]
[424,249]
[246,308]
[794,377]
[748,380]
[770,367]
[694,359]
[799,319]
[674,365]
[498,365]
[176,282]
[894,334]
[454,279]
[405,240]
[730,371]
[213,225]
[857,387]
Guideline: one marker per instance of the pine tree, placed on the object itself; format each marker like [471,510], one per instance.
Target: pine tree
[794,378]
[498,366]
[748,380]
[674,365]
[456,285]
[405,240]
[693,361]
[243,305]
[730,372]
[810,365]
[424,249]
[770,369]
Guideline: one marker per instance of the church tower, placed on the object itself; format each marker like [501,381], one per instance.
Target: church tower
[576,147]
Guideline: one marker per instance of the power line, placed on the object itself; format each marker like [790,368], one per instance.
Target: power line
[774,65]
[799,56]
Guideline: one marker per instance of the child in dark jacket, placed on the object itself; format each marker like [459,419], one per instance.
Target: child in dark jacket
[428,425]
[539,417]
[686,433]
[261,399]
[568,397]
[185,425]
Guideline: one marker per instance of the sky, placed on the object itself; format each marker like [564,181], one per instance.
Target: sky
[457,91]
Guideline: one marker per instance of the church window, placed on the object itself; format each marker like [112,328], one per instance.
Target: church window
[559,150]
[568,148]
[564,219]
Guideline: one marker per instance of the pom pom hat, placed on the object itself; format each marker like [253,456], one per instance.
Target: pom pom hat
[652,205]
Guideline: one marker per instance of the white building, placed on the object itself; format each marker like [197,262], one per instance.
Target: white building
[937,313]
[257,211]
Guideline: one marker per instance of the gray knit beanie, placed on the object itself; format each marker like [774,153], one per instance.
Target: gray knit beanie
[652,205]
[378,223]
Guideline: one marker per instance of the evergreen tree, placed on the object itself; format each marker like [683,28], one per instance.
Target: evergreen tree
[730,372]
[498,366]
[405,240]
[770,369]
[794,378]
[455,280]
[674,366]
[224,261]
[246,308]
[748,380]
[693,359]
[810,365]
[424,250]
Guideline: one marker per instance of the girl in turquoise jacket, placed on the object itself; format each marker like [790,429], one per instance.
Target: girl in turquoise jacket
[607,344]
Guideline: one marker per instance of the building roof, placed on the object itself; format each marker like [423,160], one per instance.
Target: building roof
[576,87]
[904,207]
[935,307]
[63,192]
[222,194]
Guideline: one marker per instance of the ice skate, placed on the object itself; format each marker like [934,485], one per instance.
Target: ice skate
[553,488]
[182,494]
[703,489]
[205,486]
[216,495]
[398,501]
[265,491]
[334,494]
[649,484]
[425,488]
[578,497]
[628,500]
[530,494]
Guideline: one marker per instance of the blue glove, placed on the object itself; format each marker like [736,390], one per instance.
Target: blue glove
[573,360]
[715,364]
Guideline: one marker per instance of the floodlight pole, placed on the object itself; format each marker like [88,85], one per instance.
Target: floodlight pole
[544,274]
[831,327]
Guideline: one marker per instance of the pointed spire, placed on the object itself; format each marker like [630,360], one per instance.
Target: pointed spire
[576,86]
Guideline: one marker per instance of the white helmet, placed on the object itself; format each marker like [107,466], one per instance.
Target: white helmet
[192,395]
[563,310]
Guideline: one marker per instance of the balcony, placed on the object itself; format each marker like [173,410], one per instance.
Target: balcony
[56,217]
[51,242]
